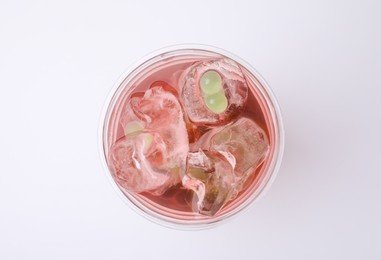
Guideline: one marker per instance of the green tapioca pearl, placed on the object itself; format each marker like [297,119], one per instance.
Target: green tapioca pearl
[198,173]
[133,128]
[147,141]
[213,92]
[217,103]
[210,83]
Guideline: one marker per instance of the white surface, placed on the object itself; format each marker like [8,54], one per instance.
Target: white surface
[58,62]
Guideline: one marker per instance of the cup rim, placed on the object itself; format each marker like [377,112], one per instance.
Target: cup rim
[275,164]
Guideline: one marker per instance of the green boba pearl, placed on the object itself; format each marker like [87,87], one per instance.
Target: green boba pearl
[133,128]
[147,141]
[217,103]
[198,173]
[210,82]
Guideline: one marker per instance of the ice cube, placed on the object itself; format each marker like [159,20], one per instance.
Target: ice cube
[132,168]
[245,141]
[217,175]
[212,179]
[153,154]
[214,92]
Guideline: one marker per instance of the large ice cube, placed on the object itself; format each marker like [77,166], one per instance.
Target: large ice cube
[217,176]
[131,162]
[245,141]
[213,92]
[211,177]
[153,153]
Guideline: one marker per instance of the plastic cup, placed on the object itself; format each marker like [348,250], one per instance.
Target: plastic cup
[253,191]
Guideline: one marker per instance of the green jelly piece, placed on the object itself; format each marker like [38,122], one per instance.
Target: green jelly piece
[133,128]
[198,173]
[217,103]
[147,138]
[210,82]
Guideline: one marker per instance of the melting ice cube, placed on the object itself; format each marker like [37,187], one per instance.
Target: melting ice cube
[130,163]
[153,153]
[213,92]
[212,179]
[217,176]
[245,141]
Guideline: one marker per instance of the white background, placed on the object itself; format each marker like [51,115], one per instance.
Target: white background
[58,62]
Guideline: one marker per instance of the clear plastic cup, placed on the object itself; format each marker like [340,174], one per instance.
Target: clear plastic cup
[271,117]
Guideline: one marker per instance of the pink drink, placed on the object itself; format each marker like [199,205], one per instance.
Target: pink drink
[160,98]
